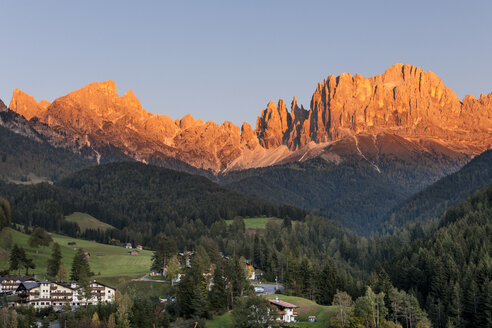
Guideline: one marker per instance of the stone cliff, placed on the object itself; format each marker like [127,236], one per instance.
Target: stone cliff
[404,101]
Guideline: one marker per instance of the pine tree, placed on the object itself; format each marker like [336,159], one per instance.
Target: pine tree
[5,214]
[55,261]
[61,275]
[218,294]
[15,260]
[80,266]
[18,260]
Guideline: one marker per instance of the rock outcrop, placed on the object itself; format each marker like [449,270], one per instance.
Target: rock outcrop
[404,101]
[26,105]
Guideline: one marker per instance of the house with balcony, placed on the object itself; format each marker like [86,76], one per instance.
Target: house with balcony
[44,294]
[286,312]
[9,284]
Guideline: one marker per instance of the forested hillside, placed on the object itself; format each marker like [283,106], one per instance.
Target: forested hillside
[448,191]
[23,159]
[353,192]
[135,198]
[451,270]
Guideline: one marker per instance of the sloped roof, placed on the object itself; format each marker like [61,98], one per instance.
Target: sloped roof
[30,284]
[283,304]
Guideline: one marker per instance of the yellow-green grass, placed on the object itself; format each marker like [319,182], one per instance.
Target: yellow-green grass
[86,221]
[223,321]
[255,223]
[105,260]
[139,288]
[306,309]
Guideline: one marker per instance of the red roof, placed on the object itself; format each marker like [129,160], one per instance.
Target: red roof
[282,303]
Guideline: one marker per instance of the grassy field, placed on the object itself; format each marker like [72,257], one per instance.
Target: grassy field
[139,288]
[105,260]
[224,321]
[86,221]
[255,223]
[306,309]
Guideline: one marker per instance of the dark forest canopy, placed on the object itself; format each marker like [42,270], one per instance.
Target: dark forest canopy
[450,270]
[353,192]
[448,191]
[22,158]
[134,196]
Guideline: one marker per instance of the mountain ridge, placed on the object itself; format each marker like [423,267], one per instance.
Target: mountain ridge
[404,101]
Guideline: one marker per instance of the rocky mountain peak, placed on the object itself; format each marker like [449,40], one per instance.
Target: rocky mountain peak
[26,105]
[405,101]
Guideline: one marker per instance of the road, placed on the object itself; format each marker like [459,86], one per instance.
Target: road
[269,288]
[144,278]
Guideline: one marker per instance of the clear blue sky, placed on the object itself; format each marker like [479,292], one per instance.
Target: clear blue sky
[224,60]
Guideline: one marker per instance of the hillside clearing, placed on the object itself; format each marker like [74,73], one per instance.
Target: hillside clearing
[255,223]
[105,260]
[87,221]
[306,308]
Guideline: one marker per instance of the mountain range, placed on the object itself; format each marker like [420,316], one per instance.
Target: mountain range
[348,116]
[363,147]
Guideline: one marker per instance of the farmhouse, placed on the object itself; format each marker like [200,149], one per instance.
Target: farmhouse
[139,247]
[133,252]
[285,310]
[128,245]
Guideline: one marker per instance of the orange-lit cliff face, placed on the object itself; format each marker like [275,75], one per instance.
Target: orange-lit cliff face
[347,114]
[404,100]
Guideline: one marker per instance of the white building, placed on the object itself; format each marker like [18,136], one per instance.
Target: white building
[285,310]
[45,294]
[9,284]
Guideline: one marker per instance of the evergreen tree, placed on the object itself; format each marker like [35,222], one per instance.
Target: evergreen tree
[55,261]
[5,213]
[61,275]
[218,294]
[18,259]
[166,249]
[15,261]
[80,266]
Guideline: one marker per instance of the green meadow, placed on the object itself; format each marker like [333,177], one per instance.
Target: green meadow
[255,223]
[306,308]
[86,221]
[105,260]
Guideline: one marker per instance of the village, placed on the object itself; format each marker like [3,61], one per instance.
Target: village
[22,291]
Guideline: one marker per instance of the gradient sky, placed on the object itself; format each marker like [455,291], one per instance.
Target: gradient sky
[224,60]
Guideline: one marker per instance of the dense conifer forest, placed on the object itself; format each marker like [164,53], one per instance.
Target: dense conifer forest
[442,265]
[352,192]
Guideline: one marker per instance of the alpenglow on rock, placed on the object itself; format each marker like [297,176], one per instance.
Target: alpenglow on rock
[404,101]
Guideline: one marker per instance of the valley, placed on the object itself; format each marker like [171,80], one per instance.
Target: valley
[365,199]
